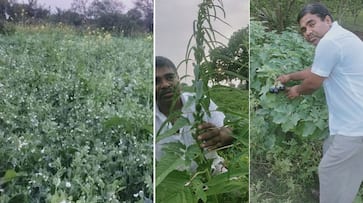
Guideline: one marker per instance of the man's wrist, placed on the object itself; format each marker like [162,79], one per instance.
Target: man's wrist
[288,77]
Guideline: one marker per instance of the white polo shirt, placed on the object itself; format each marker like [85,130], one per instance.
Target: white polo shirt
[184,136]
[339,58]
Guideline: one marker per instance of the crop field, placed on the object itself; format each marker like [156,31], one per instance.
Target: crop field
[75,116]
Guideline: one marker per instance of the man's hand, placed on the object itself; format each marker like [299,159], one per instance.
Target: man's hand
[293,92]
[213,137]
[284,78]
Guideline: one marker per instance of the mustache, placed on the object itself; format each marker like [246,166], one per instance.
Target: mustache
[174,90]
[167,91]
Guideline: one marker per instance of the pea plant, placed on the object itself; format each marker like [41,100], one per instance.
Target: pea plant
[172,184]
[75,116]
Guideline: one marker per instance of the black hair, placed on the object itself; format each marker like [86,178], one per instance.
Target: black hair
[161,61]
[316,9]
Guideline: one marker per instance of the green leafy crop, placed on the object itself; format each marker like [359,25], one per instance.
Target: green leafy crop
[75,117]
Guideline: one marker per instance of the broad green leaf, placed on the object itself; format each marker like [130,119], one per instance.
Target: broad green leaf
[226,183]
[291,123]
[168,163]
[175,188]
[179,123]
[280,118]
[308,129]
[198,187]
[192,152]
[10,175]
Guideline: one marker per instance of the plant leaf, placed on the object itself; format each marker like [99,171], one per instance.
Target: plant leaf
[179,123]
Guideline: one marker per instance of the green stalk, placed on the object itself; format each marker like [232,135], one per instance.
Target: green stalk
[204,37]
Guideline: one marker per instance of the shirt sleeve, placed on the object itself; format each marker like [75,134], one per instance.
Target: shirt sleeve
[327,55]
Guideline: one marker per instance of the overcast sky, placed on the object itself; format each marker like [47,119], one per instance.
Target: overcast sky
[174,26]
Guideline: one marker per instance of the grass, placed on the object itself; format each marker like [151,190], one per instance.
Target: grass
[231,99]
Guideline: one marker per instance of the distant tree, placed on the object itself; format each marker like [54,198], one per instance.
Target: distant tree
[5,27]
[147,9]
[32,3]
[18,12]
[103,7]
[113,22]
[31,12]
[238,45]
[135,22]
[68,17]
[4,7]
[231,62]
[107,14]
[35,12]
[278,14]
[145,6]
[80,6]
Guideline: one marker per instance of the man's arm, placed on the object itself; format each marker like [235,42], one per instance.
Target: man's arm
[310,83]
[299,75]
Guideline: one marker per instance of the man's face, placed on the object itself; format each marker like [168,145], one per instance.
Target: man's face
[167,84]
[313,28]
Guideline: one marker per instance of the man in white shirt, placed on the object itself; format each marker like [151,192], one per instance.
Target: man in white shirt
[338,66]
[169,99]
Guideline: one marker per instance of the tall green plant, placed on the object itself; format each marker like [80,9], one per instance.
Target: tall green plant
[173,185]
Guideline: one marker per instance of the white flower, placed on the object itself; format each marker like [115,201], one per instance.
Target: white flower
[68,184]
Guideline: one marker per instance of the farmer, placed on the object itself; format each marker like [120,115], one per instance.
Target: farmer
[169,99]
[338,66]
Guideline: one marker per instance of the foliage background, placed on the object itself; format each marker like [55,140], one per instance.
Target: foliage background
[75,116]
[280,15]
[109,15]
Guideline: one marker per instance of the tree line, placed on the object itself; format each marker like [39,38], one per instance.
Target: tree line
[280,14]
[109,15]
